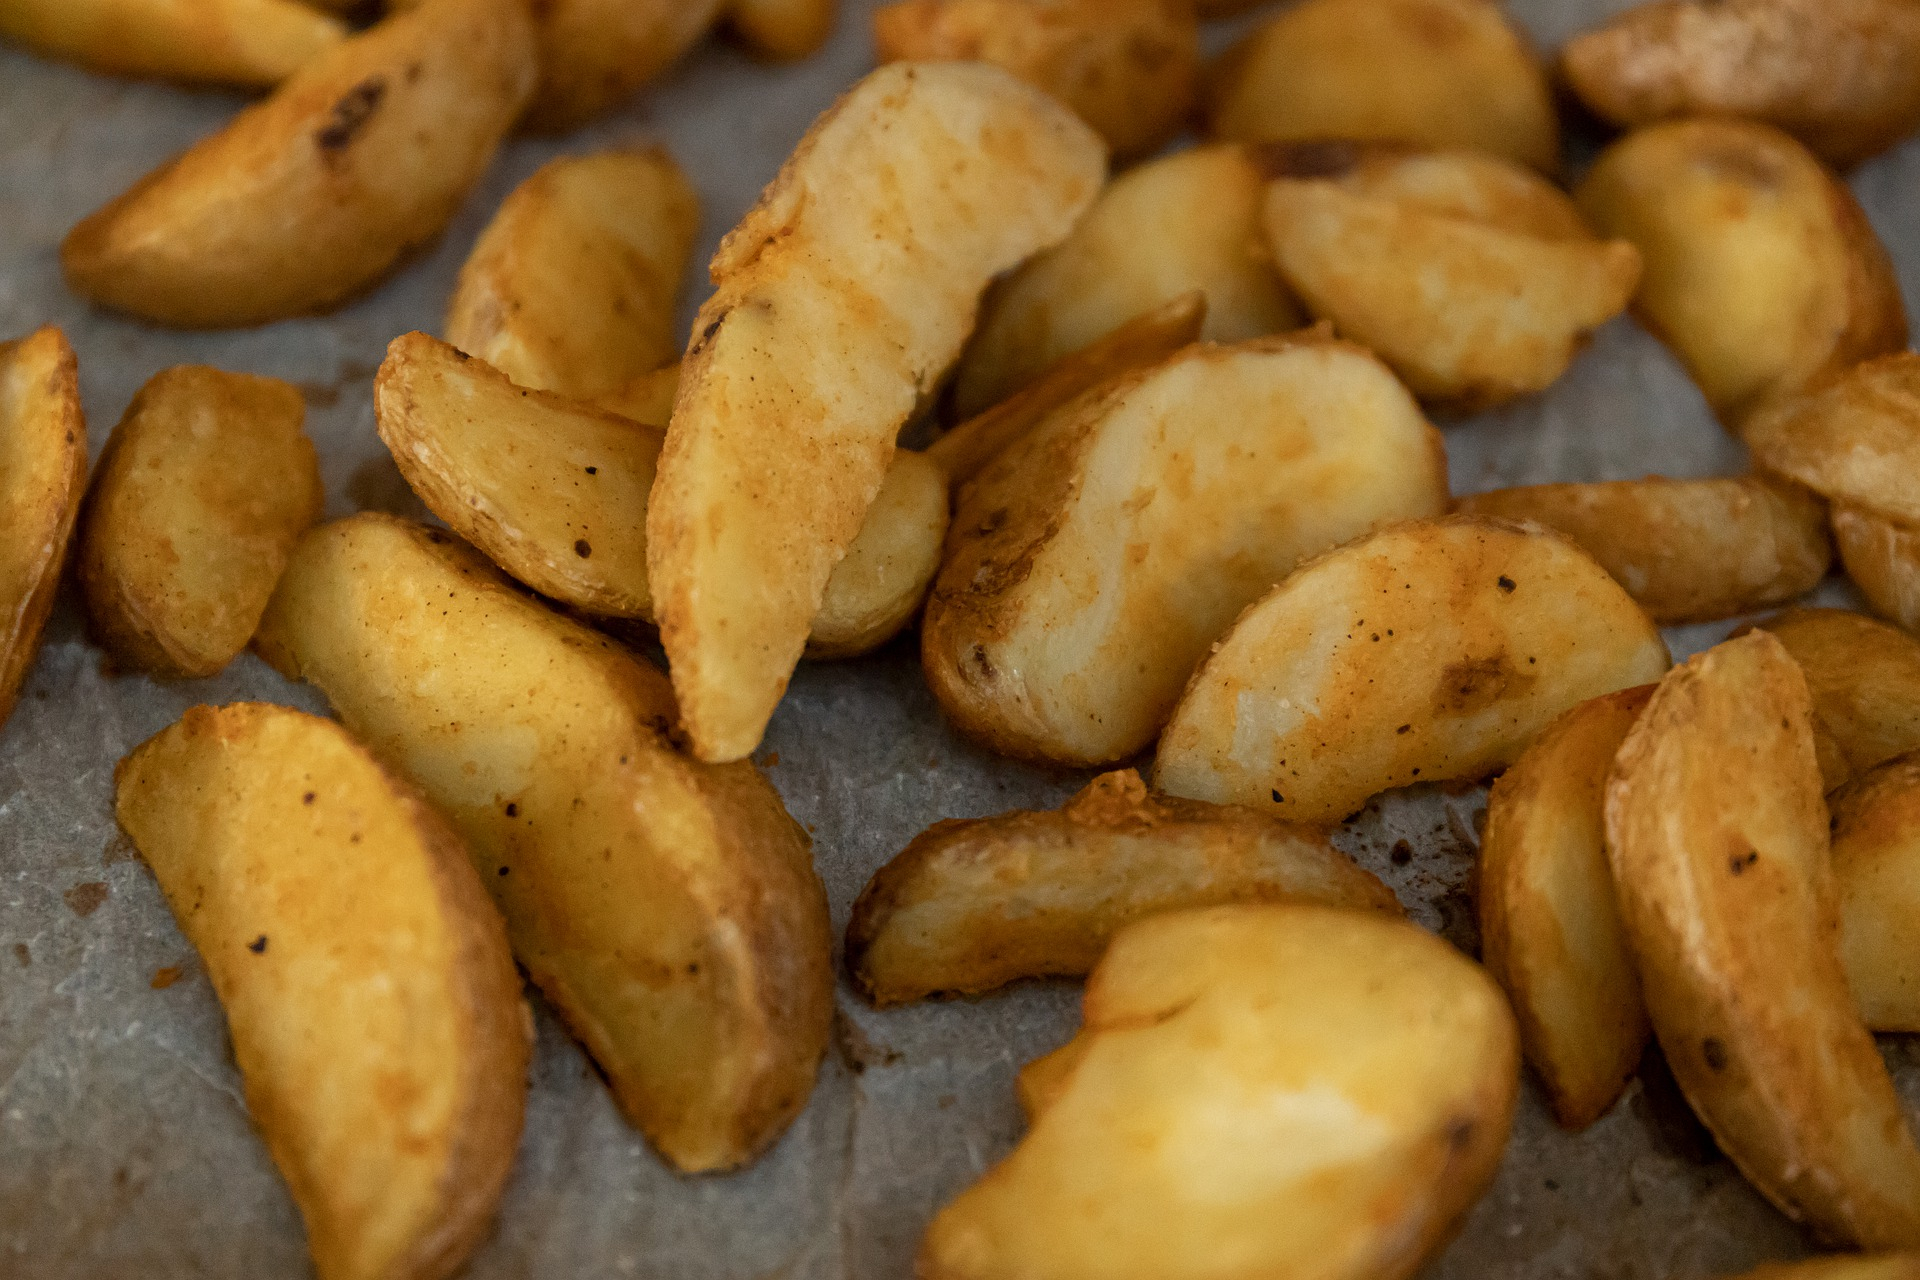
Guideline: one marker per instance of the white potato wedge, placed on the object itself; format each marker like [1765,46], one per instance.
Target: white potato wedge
[1882,557]
[1865,680]
[1429,651]
[1849,1266]
[782,30]
[647,398]
[1092,563]
[841,299]
[880,584]
[971,906]
[1876,869]
[1270,1090]
[668,910]
[1855,440]
[595,54]
[238,42]
[375,1012]
[312,196]
[201,493]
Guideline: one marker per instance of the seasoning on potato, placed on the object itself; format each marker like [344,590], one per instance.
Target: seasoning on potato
[595,54]
[237,42]
[1855,439]
[1865,680]
[782,30]
[1882,557]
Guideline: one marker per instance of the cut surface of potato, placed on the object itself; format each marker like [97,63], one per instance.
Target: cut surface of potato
[1272,1090]
[974,905]
[1431,650]
[594,54]
[309,197]
[1093,562]
[841,298]
[572,286]
[782,30]
[1687,550]
[880,584]
[1882,557]
[240,42]
[1717,835]
[201,493]
[1876,869]
[1855,440]
[1865,680]
[375,1012]
[668,910]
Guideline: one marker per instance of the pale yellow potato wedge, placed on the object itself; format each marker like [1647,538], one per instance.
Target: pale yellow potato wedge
[238,42]
[572,286]
[1429,651]
[201,493]
[1876,869]
[880,584]
[782,30]
[1850,1266]
[668,910]
[1882,557]
[1440,73]
[1687,550]
[1865,680]
[1856,439]
[312,196]
[971,906]
[1270,1090]
[841,298]
[1762,273]
[1093,562]
[647,398]
[1843,76]
[1160,230]
[595,54]
[375,1012]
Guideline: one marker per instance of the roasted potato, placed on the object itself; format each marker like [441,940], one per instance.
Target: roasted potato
[375,1012]
[1876,870]
[668,910]
[1762,273]
[841,298]
[43,472]
[880,584]
[782,30]
[1092,563]
[1131,68]
[595,54]
[1850,1266]
[1431,650]
[647,398]
[1843,76]
[573,285]
[1440,73]
[1864,677]
[970,906]
[239,42]
[1473,277]
[1270,1090]
[1162,229]
[1882,557]
[310,197]
[1687,550]
[1855,440]
[200,495]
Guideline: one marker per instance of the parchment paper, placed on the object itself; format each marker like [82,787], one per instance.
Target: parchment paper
[124,1144]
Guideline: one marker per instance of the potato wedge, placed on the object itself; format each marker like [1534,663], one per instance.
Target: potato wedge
[1882,557]
[1855,440]
[880,584]
[668,910]
[201,493]
[312,196]
[971,906]
[238,42]
[1876,871]
[43,473]
[841,298]
[595,54]
[1843,76]
[1687,550]
[1130,68]
[1440,73]
[1187,221]
[647,398]
[1093,562]
[1416,255]
[782,30]
[375,1012]
[1270,1090]
[1762,273]
[1431,650]
[1850,1266]
[572,286]
[1865,680]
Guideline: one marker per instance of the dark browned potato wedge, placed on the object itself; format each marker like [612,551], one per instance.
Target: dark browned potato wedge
[1851,1266]
[1882,557]
[1865,680]
[782,30]
[974,905]
[1876,866]
[241,42]
[1855,440]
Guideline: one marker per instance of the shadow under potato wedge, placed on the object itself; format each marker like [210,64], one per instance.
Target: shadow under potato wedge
[236,42]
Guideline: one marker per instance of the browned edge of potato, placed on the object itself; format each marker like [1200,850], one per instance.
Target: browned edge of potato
[1864,677]
[782,30]
[248,43]
[1855,438]
[1882,557]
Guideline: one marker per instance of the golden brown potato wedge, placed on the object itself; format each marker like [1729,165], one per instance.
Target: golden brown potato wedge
[1440,73]
[310,197]
[974,905]
[1687,550]
[841,299]
[595,54]
[1882,557]
[375,1012]
[1431,650]
[1876,869]
[1717,835]
[572,286]
[647,398]
[668,910]
[1865,680]
[1762,273]
[1851,1266]
[782,30]
[1855,440]
[1419,256]
[240,42]
[1092,563]
[200,495]
[1270,1090]
[880,584]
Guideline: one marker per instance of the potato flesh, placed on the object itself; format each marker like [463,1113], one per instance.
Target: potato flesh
[595,54]
[1263,1090]
[647,398]
[1883,558]
[1856,440]
[1487,632]
[240,42]
[1876,869]
[879,586]
[1865,680]
[782,30]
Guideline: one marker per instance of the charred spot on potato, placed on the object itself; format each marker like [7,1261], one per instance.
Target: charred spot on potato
[1714,1052]
[259,945]
[308,798]
[1474,684]
[583,548]
[1739,863]
[351,114]
[1506,584]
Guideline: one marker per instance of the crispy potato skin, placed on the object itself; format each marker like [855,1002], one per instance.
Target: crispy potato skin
[595,54]
[1876,855]
[782,30]
[1687,550]
[1717,835]
[1843,76]
[1864,676]
[971,906]
[375,1011]
[238,42]
[1853,1266]
[1883,558]
[201,493]
[879,586]
[1856,439]
[310,197]
[43,459]
[1257,1090]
